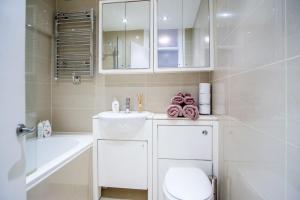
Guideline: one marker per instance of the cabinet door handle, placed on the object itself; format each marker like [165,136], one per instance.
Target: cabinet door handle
[204,132]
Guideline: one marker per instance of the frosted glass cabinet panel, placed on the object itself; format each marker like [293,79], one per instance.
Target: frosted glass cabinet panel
[183,30]
[125,35]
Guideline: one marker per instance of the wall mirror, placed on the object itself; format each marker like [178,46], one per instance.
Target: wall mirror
[125,35]
[182,35]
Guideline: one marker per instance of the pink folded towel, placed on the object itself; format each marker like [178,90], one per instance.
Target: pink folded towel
[174,111]
[180,94]
[189,100]
[191,111]
[177,100]
[186,94]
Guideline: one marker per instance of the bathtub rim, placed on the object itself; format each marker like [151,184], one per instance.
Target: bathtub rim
[85,142]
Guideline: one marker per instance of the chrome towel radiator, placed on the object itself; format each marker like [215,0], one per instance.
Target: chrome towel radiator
[74,45]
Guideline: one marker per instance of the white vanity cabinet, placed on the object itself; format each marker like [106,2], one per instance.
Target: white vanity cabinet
[183,143]
[122,151]
[123,164]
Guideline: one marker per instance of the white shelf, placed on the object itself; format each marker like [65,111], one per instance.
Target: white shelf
[168,49]
[183,69]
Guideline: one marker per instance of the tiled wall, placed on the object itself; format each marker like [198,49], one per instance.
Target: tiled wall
[74,105]
[256,93]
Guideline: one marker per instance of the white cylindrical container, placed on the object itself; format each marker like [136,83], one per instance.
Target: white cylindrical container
[40,130]
[204,109]
[204,88]
[115,106]
[204,98]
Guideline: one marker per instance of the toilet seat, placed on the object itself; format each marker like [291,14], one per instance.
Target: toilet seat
[187,184]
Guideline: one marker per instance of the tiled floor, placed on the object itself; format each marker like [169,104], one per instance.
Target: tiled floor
[123,194]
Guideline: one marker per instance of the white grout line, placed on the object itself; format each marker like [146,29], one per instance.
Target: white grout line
[286,105]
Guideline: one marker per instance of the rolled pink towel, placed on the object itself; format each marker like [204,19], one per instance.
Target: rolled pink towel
[181,94]
[184,94]
[174,111]
[189,100]
[177,100]
[191,111]
[187,94]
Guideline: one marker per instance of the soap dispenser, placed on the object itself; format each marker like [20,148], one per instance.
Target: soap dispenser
[115,106]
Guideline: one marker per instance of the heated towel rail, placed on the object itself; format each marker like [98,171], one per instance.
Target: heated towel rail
[74,45]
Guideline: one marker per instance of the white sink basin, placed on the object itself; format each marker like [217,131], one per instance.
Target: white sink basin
[121,125]
[123,115]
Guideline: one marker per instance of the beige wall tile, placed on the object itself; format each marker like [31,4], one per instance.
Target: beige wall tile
[257,98]
[249,88]
[293,99]
[293,27]
[293,126]
[72,120]
[293,172]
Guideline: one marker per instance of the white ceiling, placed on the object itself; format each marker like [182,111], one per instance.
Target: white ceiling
[138,15]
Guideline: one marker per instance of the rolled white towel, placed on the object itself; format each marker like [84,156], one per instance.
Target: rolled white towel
[204,88]
[204,109]
[204,98]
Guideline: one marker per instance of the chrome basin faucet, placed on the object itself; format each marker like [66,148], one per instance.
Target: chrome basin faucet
[127,105]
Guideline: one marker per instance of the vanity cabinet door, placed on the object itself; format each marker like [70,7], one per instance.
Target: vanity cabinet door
[185,142]
[122,164]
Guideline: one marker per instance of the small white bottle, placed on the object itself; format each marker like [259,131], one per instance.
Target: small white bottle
[115,106]
[40,130]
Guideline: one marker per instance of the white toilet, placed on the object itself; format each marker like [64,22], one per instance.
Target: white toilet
[187,183]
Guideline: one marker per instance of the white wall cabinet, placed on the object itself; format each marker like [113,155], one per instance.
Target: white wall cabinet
[123,164]
[155,36]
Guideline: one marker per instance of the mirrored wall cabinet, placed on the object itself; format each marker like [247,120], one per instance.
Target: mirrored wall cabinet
[182,35]
[146,36]
[126,36]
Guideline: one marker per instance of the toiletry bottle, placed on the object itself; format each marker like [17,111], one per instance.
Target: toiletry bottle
[115,106]
[40,130]
[140,100]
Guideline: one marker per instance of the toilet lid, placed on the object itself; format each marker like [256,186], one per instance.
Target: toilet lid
[188,184]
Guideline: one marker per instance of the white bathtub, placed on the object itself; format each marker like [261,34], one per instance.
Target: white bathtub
[45,156]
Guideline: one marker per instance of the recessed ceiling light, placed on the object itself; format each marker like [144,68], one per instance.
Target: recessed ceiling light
[225,14]
[164,40]
[165,18]
[206,39]
[124,20]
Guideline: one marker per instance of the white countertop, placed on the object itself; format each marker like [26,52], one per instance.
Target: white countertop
[163,116]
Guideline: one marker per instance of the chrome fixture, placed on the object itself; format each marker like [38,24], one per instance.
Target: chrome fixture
[23,130]
[74,40]
[127,105]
